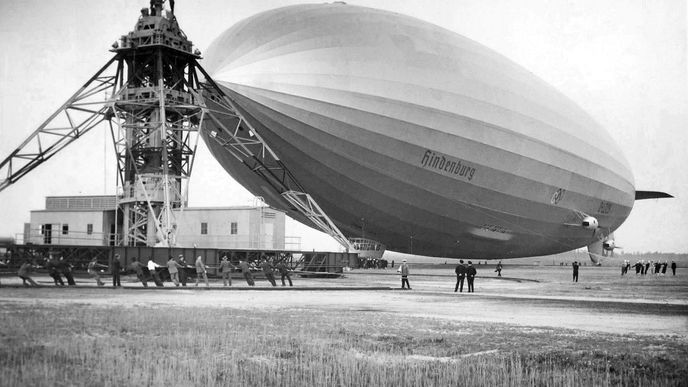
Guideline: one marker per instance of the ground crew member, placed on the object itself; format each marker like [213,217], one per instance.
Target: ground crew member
[498,269]
[575,265]
[173,268]
[246,272]
[460,275]
[3,263]
[226,270]
[673,267]
[201,271]
[182,272]
[284,272]
[152,269]
[51,265]
[404,271]
[116,268]
[267,269]
[137,267]
[470,276]
[23,273]
[93,271]
[65,268]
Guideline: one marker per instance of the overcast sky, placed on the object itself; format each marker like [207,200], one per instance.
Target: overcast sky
[623,61]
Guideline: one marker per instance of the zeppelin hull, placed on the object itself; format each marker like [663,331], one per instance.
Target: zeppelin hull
[430,142]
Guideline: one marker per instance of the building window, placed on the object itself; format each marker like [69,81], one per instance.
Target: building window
[204,228]
[234,227]
[89,229]
[65,229]
[113,235]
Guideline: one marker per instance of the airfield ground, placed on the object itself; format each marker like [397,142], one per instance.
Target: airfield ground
[533,321]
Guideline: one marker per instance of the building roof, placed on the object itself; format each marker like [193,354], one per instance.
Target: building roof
[109,203]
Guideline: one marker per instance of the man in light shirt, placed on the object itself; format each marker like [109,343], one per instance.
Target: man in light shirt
[201,271]
[173,267]
[152,266]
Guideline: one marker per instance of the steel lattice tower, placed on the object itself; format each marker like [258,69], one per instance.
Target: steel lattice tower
[157,114]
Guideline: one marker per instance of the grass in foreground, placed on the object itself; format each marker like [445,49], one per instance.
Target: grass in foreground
[117,346]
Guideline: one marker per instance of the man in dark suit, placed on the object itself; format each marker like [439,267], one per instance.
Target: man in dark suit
[116,268]
[460,275]
[470,275]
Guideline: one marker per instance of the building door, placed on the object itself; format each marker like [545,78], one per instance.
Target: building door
[47,233]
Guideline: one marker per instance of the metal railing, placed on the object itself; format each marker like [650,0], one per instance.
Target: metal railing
[82,238]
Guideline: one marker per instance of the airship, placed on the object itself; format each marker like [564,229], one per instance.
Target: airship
[427,141]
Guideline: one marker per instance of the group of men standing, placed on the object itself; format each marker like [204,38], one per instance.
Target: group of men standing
[643,267]
[464,271]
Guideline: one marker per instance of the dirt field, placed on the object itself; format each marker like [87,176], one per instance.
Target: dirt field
[533,296]
[532,326]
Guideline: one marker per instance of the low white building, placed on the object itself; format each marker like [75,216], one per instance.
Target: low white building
[91,221]
[231,227]
[73,220]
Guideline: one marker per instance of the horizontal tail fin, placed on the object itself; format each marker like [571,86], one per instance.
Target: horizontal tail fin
[641,195]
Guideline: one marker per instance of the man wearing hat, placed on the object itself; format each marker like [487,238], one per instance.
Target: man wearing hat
[460,275]
[173,268]
[182,269]
[201,271]
[137,267]
[404,270]
[470,276]
[116,268]
[246,272]
[268,271]
[226,268]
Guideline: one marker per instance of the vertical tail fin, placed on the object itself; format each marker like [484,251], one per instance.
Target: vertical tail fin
[595,251]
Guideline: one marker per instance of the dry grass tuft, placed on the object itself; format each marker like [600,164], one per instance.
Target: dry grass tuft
[156,346]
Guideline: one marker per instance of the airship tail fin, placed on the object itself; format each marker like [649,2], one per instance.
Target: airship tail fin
[640,195]
[595,250]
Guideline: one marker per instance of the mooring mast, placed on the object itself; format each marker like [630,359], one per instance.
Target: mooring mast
[154,114]
[157,114]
